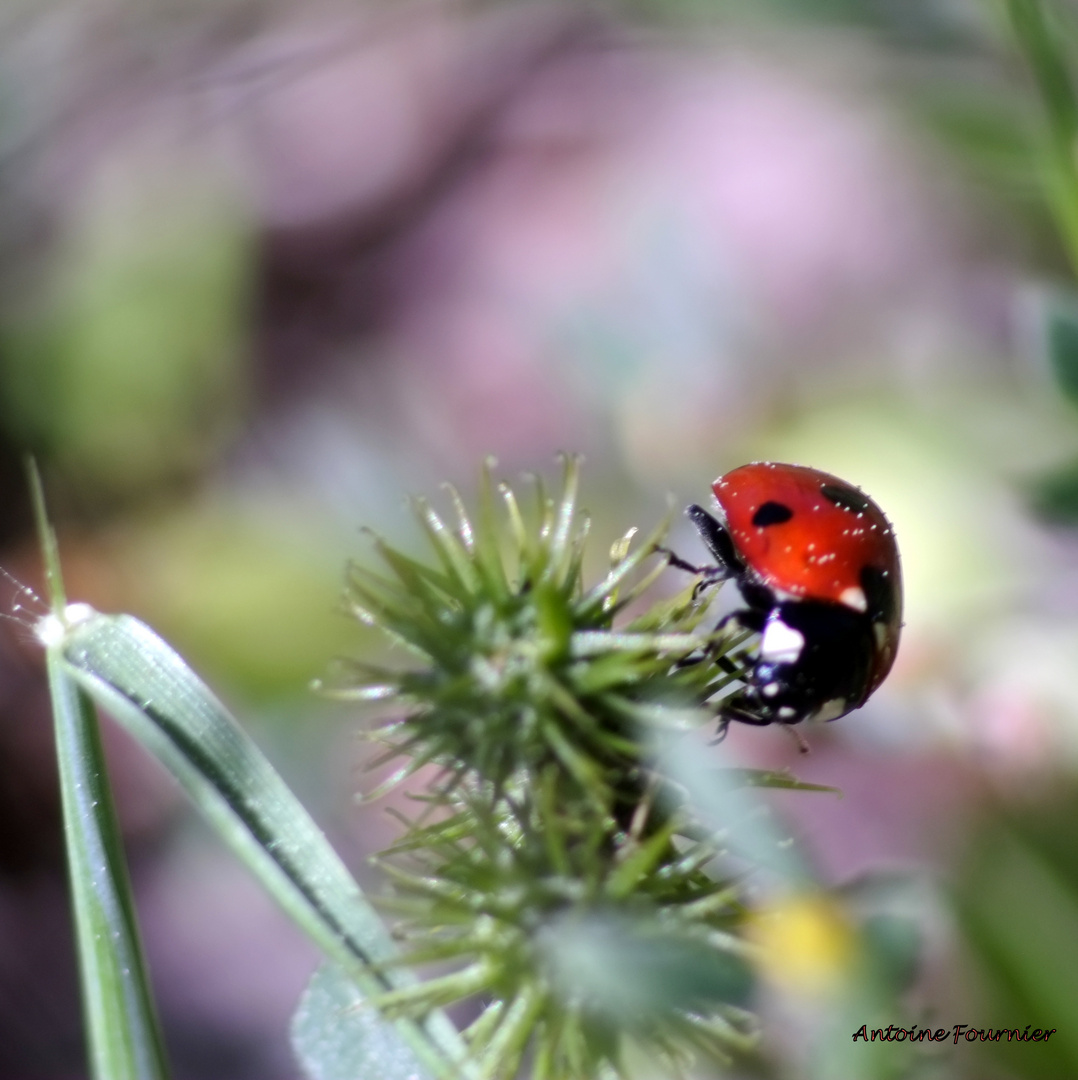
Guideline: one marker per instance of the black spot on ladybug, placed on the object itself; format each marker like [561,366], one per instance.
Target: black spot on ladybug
[771,513]
[879,593]
[846,497]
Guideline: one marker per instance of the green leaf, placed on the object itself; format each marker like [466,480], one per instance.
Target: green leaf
[337,1036]
[121,1021]
[140,680]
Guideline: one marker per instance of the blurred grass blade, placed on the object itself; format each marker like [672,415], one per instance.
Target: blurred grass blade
[1061,342]
[769,778]
[140,680]
[1055,494]
[121,1022]
[1045,53]
[1039,34]
[336,1036]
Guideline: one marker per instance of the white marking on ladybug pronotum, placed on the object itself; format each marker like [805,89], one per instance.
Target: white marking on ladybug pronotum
[780,643]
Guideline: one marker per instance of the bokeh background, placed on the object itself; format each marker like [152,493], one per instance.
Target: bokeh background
[268,267]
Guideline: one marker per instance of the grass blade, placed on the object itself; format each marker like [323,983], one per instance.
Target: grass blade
[122,1032]
[140,680]
[121,1022]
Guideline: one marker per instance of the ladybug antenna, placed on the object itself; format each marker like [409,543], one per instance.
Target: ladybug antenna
[798,738]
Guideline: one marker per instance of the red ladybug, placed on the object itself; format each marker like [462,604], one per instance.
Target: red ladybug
[817,565]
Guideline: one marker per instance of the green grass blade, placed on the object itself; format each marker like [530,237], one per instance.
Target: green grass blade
[769,778]
[121,1022]
[560,548]
[122,1032]
[141,681]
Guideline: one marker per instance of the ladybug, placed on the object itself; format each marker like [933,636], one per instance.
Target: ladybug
[817,566]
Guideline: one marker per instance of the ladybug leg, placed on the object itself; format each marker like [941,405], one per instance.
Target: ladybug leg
[746,707]
[746,619]
[717,540]
[721,733]
[727,665]
[709,575]
[737,707]
[724,730]
[675,560]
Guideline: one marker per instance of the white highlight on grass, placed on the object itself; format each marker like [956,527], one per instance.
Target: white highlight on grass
[51,629]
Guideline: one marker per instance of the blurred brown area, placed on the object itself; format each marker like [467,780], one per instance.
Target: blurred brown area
[265,268]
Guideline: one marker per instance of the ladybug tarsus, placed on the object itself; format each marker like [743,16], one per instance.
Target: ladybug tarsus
[709,575]
[676,561]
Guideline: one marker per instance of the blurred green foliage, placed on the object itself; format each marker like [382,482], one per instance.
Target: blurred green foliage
[127,369]
[1017,898]
[1055,494]
[245,589]
[1062,344]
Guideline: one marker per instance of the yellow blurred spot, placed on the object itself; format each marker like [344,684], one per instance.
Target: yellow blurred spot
[806,944]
